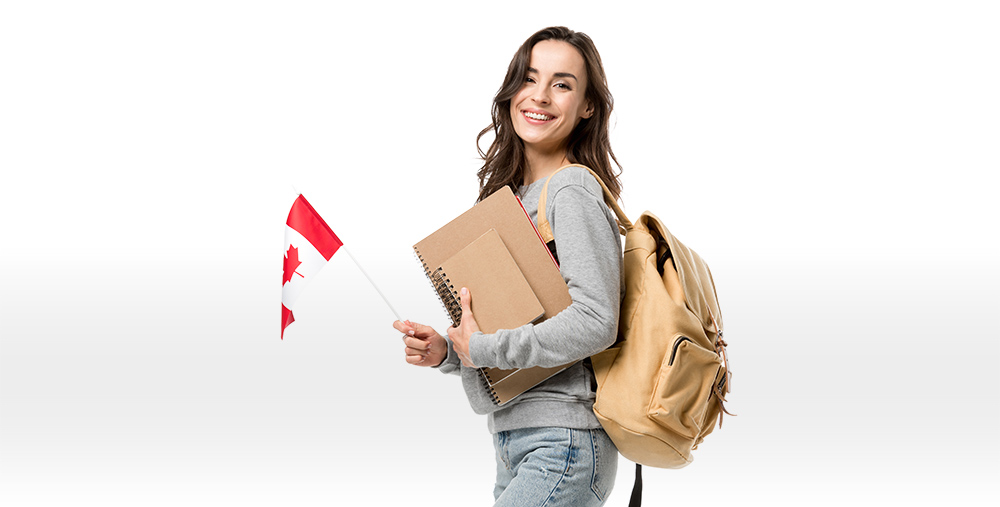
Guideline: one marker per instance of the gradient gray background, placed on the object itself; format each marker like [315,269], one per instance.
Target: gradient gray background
[829,160]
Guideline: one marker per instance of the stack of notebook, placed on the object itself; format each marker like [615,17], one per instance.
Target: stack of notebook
[495,251]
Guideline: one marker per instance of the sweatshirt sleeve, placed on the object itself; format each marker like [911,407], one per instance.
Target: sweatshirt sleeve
[590,257]
[451,363]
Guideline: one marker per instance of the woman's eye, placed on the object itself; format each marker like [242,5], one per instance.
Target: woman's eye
[529,80]
[563,86]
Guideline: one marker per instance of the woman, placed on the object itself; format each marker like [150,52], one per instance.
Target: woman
[552,110]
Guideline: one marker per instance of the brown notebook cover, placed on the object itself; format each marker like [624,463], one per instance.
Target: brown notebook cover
[503,299]
[502,212]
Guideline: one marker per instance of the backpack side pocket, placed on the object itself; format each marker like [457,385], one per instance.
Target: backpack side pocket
[683,388]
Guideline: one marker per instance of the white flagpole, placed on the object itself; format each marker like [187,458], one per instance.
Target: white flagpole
[344,248]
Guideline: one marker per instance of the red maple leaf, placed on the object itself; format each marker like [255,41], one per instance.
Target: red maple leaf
[291,264]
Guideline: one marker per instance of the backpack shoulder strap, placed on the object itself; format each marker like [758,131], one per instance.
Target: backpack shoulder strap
[624,225]
[545,229]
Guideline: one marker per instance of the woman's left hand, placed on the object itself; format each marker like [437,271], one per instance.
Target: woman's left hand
[460,335]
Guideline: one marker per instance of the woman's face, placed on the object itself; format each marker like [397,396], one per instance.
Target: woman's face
[552,98]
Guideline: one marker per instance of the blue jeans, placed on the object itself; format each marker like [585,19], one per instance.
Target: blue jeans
[554,467]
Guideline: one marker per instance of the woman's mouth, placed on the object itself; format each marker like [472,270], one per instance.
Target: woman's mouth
[536,117]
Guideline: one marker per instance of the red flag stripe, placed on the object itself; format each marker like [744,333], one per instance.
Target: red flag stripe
[304,219]
[286,319]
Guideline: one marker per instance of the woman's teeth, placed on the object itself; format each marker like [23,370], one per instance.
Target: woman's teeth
[536,116]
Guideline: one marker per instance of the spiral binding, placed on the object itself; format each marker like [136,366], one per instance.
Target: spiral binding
[488,385]
[445,291]
[451,302]
[427,272]
[449,296]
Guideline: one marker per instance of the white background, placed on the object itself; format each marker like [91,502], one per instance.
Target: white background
[833,161]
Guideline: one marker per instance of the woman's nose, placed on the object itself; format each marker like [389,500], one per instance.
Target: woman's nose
[541,95]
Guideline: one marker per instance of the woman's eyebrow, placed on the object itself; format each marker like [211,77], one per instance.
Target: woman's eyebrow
[557,74]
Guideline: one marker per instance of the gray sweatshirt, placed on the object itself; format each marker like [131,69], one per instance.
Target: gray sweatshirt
[590,260]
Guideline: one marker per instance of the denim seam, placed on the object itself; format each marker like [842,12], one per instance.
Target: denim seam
[597,463]
[570,456]
[504,452]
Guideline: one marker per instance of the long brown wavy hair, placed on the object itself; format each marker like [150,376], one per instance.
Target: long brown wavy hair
[589,143]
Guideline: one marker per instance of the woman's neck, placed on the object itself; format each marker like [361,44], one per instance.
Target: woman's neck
[542,165]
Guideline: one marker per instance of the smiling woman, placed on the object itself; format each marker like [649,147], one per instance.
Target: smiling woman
[555,72]
[551,112]
[551,102]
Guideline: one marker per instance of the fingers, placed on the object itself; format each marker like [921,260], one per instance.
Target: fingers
[421,330]
[466,301]
[414,329]
[417,349]
[461,342]
[415,356]
[468,324]
[423,346]
[421,353]
[403,327]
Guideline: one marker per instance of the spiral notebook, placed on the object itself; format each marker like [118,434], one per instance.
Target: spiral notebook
[494,250]
[501,297]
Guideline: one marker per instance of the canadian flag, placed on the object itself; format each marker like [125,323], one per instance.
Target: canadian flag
[309,244]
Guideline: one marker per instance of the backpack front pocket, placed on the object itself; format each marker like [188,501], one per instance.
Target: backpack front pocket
[683,388]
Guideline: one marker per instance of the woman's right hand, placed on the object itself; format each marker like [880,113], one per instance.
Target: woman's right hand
[424,345]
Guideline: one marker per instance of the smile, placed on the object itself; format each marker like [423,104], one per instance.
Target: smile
[536,116]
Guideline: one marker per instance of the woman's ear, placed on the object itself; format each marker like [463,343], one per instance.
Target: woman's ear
[589,111]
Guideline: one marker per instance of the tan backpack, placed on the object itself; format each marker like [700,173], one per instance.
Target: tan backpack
[661,386]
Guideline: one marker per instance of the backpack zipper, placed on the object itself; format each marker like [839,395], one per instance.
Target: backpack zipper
[677,344]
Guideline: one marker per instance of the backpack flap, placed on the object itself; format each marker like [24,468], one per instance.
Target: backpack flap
[695,277]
